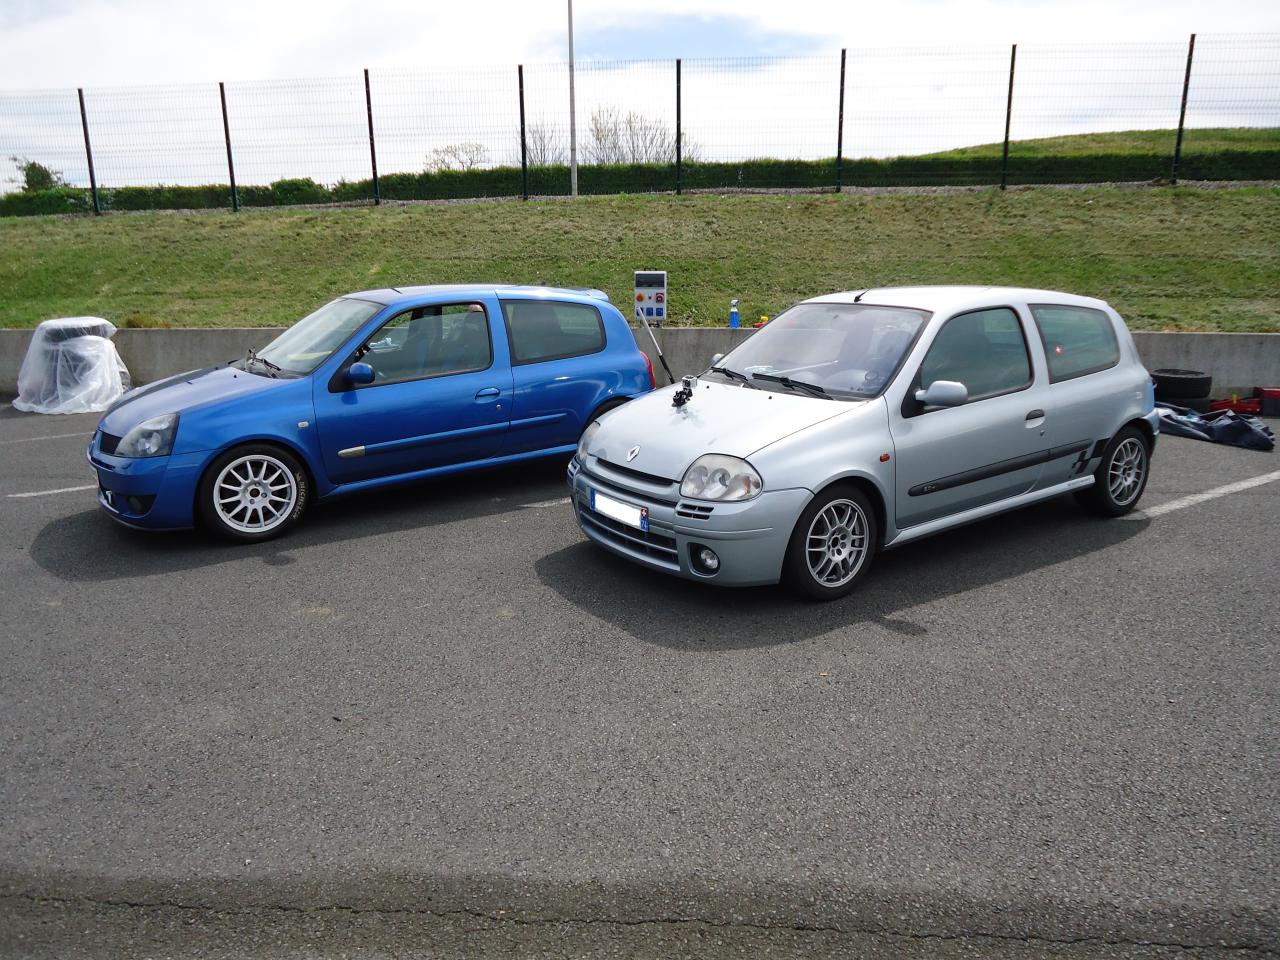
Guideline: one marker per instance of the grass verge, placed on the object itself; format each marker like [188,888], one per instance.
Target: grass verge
[1168,259]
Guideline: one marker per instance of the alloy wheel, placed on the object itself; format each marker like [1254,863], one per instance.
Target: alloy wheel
[255,493]
[836,543]
[1127,470]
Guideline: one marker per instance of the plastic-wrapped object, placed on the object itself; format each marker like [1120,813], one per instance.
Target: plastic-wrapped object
[71,366]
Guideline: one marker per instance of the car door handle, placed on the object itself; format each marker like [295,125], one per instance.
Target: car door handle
[1035,415]
[488,393]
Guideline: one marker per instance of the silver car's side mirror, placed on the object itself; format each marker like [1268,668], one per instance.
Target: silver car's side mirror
[716,358]
[944,393]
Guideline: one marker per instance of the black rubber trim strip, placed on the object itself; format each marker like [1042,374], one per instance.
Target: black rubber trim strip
[1067,449]
[998,468]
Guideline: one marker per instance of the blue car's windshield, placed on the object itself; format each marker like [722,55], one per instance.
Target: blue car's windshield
[849,350]
[306,344]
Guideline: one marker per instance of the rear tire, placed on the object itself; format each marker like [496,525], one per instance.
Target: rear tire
[1185,384]
[253,492]
[832,545]
[1121,477]
[1199,406]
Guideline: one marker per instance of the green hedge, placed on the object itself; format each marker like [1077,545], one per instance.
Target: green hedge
[650,178]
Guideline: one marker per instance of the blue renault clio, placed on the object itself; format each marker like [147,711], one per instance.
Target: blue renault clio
[375,388]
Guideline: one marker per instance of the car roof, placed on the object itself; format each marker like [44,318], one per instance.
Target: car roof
[395,295]
[949,299]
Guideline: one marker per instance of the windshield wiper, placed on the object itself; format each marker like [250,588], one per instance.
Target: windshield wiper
[731,374]
[251,357]
[811,388]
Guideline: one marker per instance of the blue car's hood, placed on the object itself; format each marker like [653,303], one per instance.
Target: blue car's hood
[181,393]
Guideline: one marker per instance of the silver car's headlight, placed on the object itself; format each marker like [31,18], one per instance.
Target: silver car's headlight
[150,438]
[585,439]
[715,476]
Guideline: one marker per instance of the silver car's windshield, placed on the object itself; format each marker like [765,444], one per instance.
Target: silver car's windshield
[303,347]
[850,350]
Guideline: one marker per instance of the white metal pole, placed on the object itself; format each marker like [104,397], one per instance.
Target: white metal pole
[573,117]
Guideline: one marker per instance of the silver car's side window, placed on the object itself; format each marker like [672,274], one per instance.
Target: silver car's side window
[1077,340]
[985,350]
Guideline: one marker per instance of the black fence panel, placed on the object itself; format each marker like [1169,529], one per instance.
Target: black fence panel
[860,118]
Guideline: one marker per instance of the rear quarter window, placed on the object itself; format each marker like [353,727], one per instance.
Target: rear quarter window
[550,330]
[1077,341]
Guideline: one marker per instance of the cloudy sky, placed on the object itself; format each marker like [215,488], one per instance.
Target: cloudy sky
[60,43]
[923,75]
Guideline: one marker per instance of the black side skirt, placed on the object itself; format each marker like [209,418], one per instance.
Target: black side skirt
[1002,466]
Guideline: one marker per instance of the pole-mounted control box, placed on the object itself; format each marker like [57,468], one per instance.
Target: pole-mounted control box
[651,295]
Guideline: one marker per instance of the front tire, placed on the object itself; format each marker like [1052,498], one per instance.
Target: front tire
[253,493]
[832,545]
[1121,477]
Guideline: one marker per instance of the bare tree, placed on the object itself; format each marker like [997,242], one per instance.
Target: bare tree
[544,145]
[457,156]
[614,137]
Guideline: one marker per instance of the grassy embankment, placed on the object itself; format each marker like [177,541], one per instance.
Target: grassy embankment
[1169,259]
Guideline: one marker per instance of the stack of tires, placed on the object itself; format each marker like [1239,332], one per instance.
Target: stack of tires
[1183,388]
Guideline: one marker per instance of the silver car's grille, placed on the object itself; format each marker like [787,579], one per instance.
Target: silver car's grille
[651,543]
[693,511]
[626,487]
[649,478]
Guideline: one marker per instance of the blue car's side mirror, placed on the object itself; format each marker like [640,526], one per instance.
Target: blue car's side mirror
[359,374]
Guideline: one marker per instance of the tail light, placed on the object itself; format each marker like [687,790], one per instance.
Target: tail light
[653,383]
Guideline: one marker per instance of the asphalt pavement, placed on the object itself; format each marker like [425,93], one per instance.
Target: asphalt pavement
[436,721]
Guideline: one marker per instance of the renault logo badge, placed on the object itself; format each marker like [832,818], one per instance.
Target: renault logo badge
[633,453]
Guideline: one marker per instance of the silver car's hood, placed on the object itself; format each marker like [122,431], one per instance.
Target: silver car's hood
[720,418]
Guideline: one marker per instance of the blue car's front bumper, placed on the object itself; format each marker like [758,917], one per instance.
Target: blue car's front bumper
[157,493]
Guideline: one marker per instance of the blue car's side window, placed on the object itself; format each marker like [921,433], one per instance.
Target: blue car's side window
[433,341]
[550,330]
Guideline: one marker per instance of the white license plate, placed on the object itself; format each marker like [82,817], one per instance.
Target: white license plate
[637,517]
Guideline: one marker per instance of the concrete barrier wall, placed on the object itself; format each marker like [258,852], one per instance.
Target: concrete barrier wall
[150,354]
[1238,361]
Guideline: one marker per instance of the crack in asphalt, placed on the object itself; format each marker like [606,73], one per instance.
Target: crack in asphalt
[1030,939]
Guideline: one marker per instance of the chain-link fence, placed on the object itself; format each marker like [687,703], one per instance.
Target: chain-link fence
[1208,109]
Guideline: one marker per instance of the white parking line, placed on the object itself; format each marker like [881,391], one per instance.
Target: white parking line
[1193,499]
[545,503]
[52,436]
[46,493]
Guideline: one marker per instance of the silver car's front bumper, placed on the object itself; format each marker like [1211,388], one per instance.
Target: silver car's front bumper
[749,538]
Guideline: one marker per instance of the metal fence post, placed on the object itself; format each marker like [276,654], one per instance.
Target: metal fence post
[226,133]
[373,153]
[573,117]
[679,153]
[840,129]
[88,152]
[1182,113]
[524,145]
[1008,118]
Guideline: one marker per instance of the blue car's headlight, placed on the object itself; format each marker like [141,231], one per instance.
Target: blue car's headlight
[151,438]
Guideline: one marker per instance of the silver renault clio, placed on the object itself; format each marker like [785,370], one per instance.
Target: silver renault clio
[859,421]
